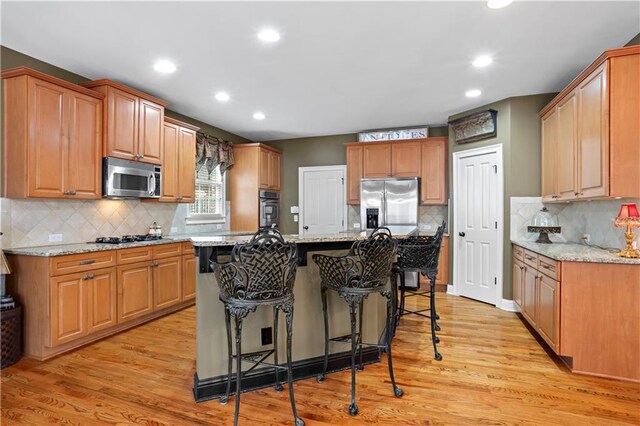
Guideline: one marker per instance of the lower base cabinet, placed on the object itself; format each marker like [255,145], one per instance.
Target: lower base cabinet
[135,291]
[167,285]
[189,276]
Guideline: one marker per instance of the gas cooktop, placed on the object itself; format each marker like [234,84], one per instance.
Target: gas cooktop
[126,239]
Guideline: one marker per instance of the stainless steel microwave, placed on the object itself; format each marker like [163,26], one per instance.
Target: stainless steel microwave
[130,179]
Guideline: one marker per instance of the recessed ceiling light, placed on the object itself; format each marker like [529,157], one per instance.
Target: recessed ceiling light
[269,35]
[165,67]
[259,116]
[482,61]
[222,96]
[498,4]
[473,93]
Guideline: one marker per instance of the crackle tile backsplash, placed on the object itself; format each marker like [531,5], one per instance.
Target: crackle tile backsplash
[576,219]
[25,223]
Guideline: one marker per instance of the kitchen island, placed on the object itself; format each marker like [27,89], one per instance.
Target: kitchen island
[308,341]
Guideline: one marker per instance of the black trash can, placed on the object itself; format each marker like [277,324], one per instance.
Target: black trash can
[11,344]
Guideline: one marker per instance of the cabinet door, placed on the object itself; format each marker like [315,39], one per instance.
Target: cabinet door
[377,161]
[518,272]
[443,263]
[167,276]
[48,140]
[354,174]
[530,280]
[135,291]
[593,135]
[150,131]
[264,169]
[433,172]
[567,139]
[405,159]
[85,147]
[549,156]
[548,311]
[187,162]
[122,125]
[67,307]
[274,171]
[170,167]
[101,299]
[188,277]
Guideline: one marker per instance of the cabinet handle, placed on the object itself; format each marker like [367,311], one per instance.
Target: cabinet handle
[179,198]
[89,276]
[68,192]
[555,196]
[141,156]
[154,265]
[547,267]
[87,262]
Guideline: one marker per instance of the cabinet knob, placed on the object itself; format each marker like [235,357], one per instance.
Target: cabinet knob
[154,265]
[462,234]
[89,276]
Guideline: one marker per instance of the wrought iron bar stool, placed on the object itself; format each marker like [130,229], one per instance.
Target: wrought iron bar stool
[261,273]
[354,277]
[420,254]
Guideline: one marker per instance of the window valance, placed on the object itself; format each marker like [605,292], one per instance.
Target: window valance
[213,151]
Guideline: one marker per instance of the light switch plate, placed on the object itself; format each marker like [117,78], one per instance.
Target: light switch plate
[426,227]
[55,238]
[295,210]
[295,217]
[356,226]
[174,229]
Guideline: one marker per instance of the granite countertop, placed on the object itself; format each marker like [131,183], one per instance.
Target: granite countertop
[573,252]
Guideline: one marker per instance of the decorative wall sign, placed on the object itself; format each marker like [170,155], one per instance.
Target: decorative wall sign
[378,135]
[475,127]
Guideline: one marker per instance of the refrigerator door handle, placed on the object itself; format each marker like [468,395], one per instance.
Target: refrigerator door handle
[383,205]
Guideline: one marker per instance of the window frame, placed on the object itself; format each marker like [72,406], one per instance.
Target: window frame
[204,218]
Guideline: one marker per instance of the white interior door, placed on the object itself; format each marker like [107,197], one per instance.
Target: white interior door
[323,200]
[476,214]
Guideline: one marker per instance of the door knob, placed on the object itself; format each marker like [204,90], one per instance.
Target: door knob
[306,228]
[462,234]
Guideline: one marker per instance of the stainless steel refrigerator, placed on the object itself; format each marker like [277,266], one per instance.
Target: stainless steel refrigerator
[392,203]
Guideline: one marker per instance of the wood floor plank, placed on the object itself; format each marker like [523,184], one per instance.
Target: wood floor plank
[494,371]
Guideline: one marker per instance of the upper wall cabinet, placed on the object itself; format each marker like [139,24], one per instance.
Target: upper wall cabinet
[52,137]
[134,122]
[423,158]
[591,132]
[178,156]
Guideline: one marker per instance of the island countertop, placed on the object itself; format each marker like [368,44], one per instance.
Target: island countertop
[572,252]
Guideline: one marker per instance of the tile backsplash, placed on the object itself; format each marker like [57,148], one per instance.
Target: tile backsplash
[29,222]
[430,216]
[576,219]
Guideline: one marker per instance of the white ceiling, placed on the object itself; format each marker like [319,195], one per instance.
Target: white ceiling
[338,68]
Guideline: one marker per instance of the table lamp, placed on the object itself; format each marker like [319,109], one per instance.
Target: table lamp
[628,217]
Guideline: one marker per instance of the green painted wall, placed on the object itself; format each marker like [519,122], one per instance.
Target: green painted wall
[11,58]
[518,131]
[308,152]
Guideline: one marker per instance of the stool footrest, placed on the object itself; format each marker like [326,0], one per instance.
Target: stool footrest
[344,339]
[415,293]
[258,358]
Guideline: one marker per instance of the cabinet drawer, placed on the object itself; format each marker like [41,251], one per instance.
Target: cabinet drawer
[60,265]
[187,249]
[167,250]
[530,258]
[518,252]
[133,255]
[549,267]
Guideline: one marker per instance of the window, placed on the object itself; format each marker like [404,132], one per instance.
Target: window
[209,206]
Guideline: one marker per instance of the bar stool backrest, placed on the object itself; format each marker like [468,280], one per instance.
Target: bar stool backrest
[421,253]
[375,258]
[262,269]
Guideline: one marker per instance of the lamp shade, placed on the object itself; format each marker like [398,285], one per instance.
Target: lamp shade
[628,215]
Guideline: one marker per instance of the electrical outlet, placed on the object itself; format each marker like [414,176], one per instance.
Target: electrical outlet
[174,229]
[218,226]
[426,227]
[55,238]
[356,226]
[266,336]
[295,217]
[586,238]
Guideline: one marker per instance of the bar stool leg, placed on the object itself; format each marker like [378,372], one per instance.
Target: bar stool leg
[402,298]
[275,347]
[320,377]
[353,310]
[396,312]
[432,306]
[227,321]
[288,309]
[396,390]
[360,309]
[433,314]
[238,367]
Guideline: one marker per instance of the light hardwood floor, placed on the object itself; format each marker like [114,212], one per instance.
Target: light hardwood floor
[494,372]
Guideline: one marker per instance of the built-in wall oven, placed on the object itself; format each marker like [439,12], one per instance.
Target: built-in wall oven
[269,208]
[130,179]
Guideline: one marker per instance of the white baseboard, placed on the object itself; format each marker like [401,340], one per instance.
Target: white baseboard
[508,305]
[450,290]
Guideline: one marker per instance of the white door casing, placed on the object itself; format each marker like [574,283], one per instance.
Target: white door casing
[478,215]
[322,200]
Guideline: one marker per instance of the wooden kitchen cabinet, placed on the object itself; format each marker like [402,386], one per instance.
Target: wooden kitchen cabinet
[377,160]
[548,310]
[405,159]
[257,167]
[529,284]
[593,127]
[518,280]
[135,291]
[134,122]
[52,136]
[167,282]
[433,171]
[178,153]
[354,173]
[188,277]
